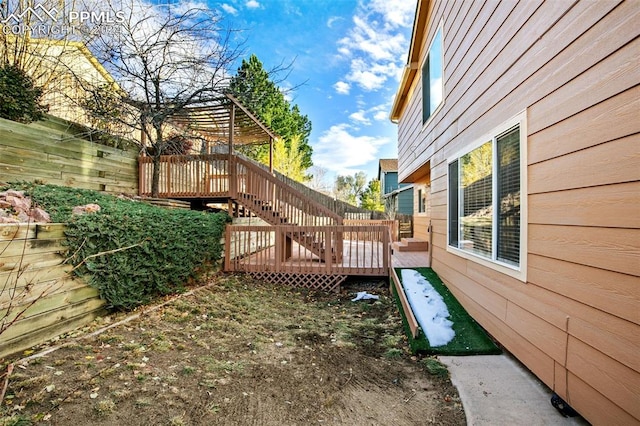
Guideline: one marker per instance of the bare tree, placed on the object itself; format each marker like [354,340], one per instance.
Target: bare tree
[319,180]
[165,59]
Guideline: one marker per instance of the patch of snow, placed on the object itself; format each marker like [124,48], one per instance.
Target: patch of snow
[428,307]
[363,295]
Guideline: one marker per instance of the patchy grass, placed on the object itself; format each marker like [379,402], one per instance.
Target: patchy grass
[237,352]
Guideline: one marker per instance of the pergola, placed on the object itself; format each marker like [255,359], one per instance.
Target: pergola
[227,119]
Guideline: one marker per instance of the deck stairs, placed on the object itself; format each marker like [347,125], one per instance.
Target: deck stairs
[277,203]
[313,242]
[410,244]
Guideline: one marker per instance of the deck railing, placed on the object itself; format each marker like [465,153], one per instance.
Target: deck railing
[187,176]
[260,191]
[391,224]
[270,249]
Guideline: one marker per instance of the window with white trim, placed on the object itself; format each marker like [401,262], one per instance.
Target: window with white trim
[485,187]
[432,82]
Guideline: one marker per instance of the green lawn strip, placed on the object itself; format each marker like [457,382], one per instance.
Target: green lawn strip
[470,338]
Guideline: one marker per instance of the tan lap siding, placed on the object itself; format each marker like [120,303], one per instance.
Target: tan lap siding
[574,68]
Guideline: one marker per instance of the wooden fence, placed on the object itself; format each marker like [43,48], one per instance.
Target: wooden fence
[32,277]
[48,151]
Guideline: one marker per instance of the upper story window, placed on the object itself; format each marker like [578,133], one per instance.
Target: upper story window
[486,187]
[432,82]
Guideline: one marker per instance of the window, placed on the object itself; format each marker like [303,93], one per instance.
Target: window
[421,201]
[432,83]
[485,187]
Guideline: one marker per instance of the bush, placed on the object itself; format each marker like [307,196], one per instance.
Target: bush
[19,98]
[169,246]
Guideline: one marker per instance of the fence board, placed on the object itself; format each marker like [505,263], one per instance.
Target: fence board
[49,152]
[31,270]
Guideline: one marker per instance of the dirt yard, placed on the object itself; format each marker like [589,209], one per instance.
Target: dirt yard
[237,352]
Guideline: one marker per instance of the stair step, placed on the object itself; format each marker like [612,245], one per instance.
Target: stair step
[411,244]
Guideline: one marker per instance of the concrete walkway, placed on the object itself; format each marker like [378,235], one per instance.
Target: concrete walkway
[497,390]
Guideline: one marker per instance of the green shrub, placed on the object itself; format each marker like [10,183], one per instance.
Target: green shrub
[19,98]
[168,246]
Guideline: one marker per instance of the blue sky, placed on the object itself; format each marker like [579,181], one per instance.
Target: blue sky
[349,54]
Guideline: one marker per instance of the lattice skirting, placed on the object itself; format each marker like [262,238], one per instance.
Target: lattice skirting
[314,282]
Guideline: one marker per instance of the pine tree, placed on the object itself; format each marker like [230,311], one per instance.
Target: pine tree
[254,87]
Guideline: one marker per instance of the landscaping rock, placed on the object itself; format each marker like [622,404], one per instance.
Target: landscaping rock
[15,207]
[40,215]
[87,208]
[18,203]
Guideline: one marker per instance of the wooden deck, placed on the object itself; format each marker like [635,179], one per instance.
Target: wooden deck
[410,259]
[347,250]
[306,242]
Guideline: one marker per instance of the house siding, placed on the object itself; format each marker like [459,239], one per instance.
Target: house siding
[573,68]
[390,181]
[405,202]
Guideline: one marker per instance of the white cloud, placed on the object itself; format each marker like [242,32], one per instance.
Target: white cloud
[229,9]
[395,13]
[252,4]
[371,76]
[359,117]
[376,44]
[341,152]
[381,116]
[333,19]
[342,87]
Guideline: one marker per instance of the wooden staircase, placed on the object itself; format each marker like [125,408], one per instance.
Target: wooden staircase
[277,203]
[263,209]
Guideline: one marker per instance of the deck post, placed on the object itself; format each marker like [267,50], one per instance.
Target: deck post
[233,185]
[271,155]
[227,249]
[279,246]
[231,208]
[328,250]
[386,244]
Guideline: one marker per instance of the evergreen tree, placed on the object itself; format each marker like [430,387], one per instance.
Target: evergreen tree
[19,98]
[253,86]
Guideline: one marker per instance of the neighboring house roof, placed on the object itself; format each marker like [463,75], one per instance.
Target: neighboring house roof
[397,191]
[388,165]
[413,60]
[93,61]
